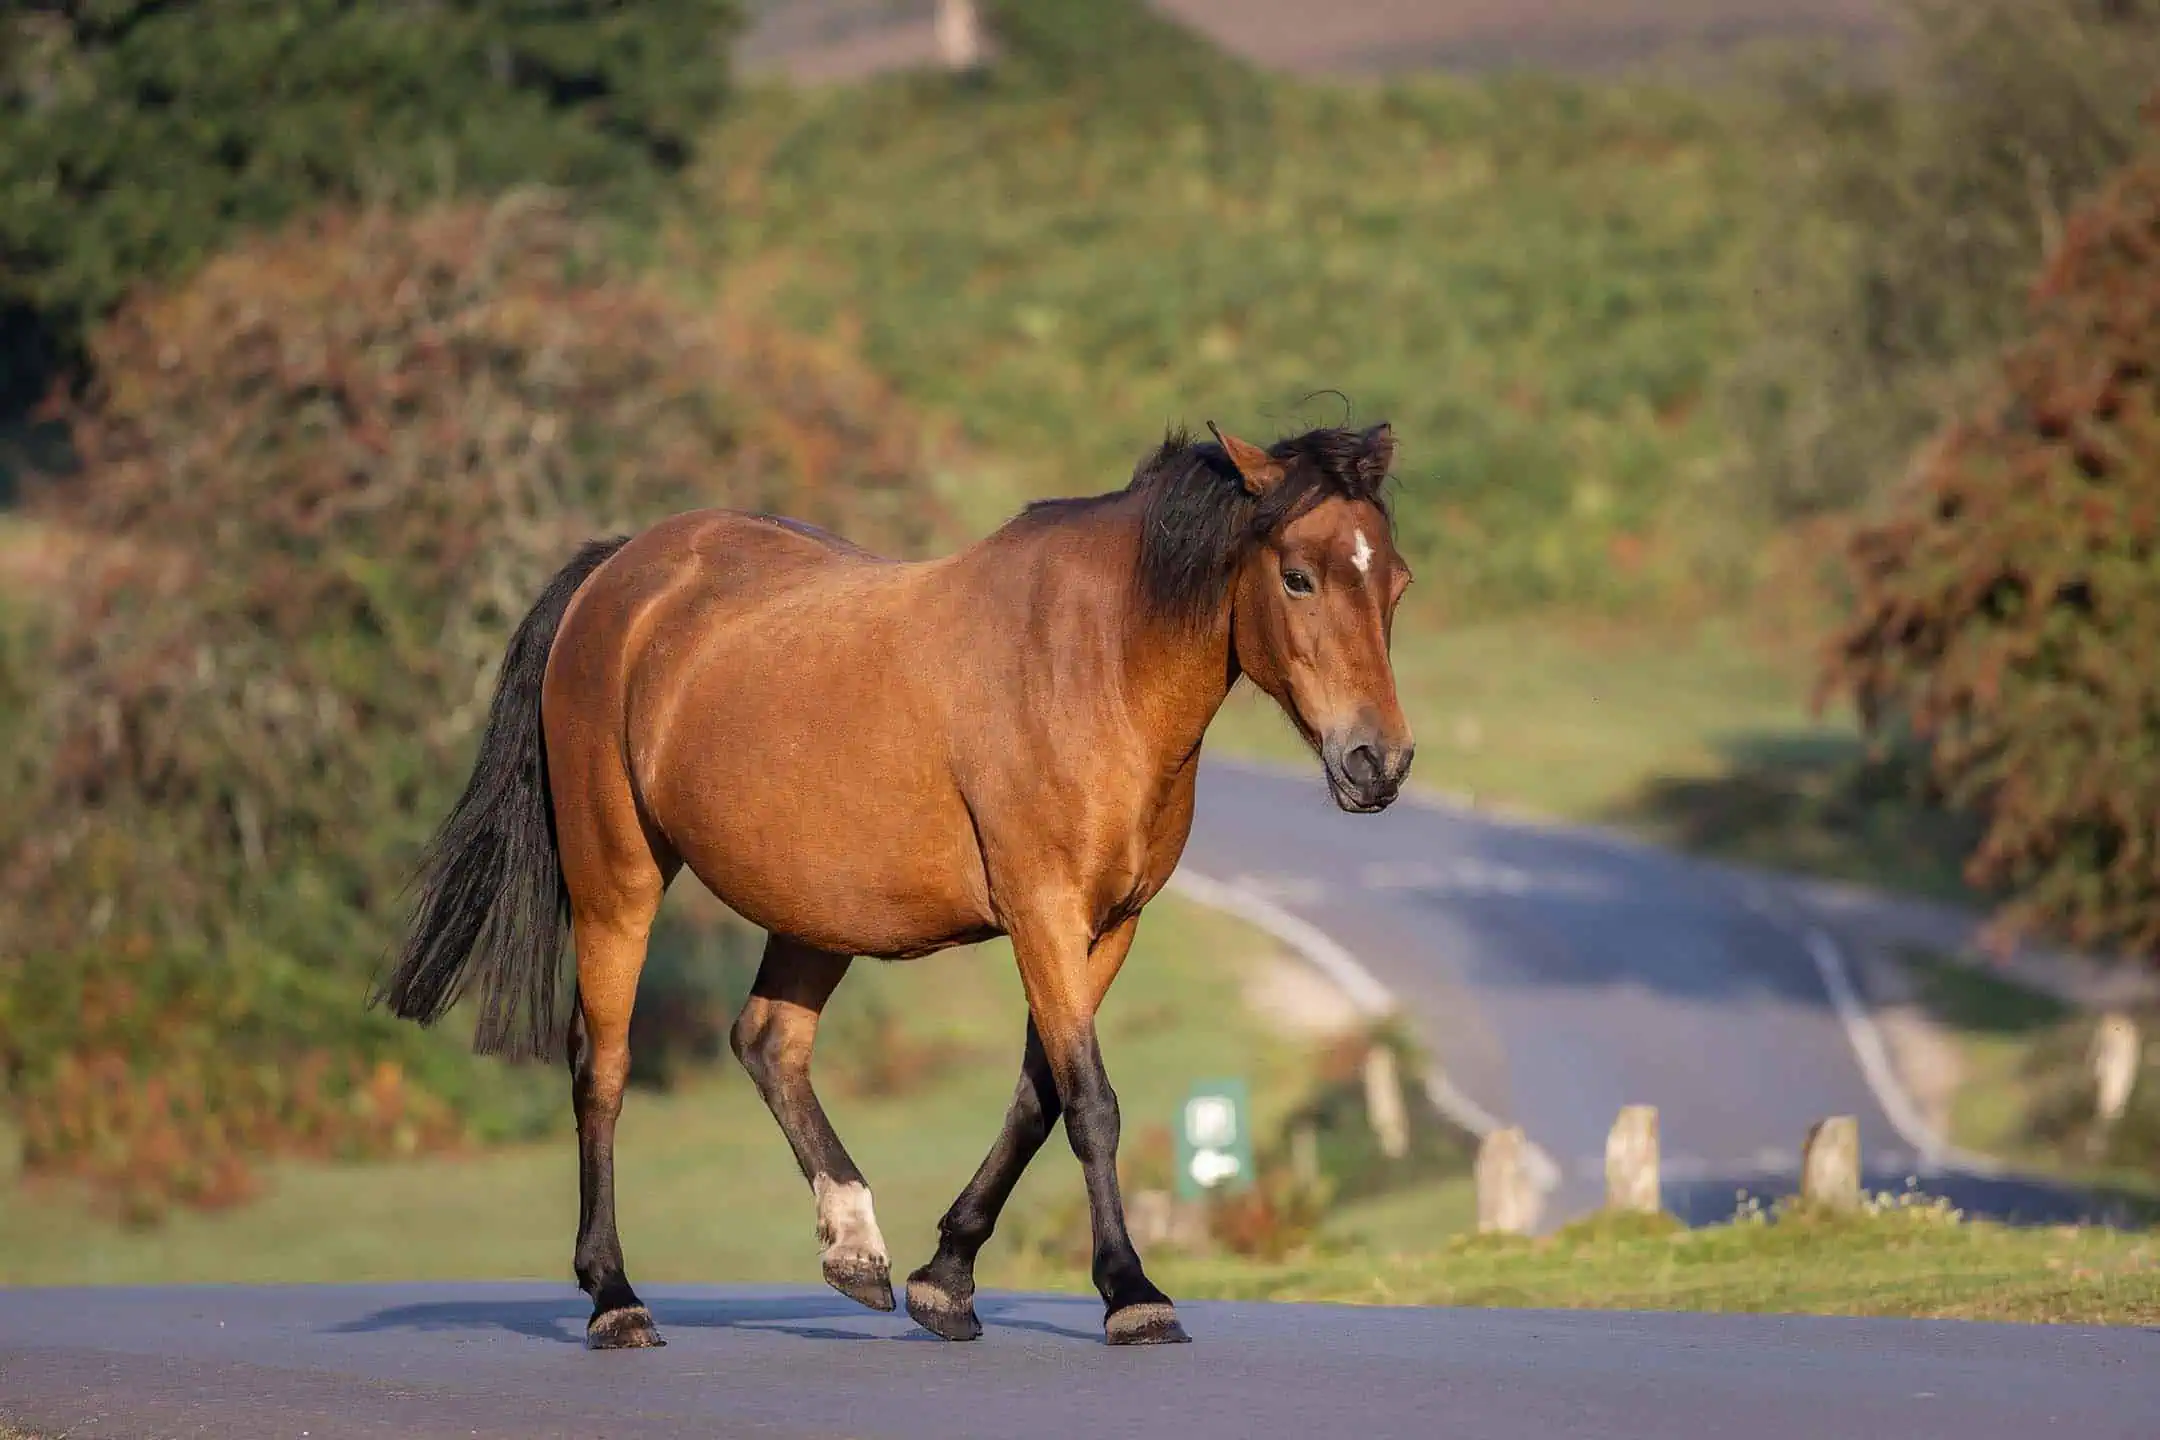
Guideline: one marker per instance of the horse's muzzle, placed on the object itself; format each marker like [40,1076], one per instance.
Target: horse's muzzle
[1365,771]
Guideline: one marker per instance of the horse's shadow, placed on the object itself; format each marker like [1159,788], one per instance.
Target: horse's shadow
[563,1321]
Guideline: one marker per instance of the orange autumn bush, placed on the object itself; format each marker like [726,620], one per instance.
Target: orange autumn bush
[2007,602]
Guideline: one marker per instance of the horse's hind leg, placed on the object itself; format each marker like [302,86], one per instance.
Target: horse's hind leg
[773,1037]
[610,955]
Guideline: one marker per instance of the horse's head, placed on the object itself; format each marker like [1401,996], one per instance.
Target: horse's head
[1313,599]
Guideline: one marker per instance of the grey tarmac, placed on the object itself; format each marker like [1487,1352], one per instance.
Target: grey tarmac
[506,1362]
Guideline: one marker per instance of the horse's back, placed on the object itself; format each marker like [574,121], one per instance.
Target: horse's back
[714,554]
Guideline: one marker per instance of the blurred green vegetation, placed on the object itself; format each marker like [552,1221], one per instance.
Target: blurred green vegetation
[2026,1090]
[137,137]
[1904,1256]
[1903,224]
[1530,278]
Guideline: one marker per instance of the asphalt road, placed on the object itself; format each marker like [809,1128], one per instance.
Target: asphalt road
[505,1362]
[1559,973]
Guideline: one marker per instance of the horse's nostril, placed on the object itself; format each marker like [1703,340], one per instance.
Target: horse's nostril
[1362,767]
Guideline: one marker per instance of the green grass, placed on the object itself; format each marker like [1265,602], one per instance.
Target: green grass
[1410,1219]
[1908,1261]
[1529,278]
[707,1188]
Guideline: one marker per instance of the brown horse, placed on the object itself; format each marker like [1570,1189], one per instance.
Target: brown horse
[867,757]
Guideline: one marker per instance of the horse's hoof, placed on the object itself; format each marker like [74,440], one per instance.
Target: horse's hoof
[931,1307]
[1151,1322]
[865,1279]
[630,1328]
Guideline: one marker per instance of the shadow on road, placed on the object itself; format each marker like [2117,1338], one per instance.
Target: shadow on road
[563,1320]
[1815,803]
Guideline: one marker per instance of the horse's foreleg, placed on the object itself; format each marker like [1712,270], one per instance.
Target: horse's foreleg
[773,1038]
[1063,1073]
[610,955]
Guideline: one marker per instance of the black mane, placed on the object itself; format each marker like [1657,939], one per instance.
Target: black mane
[1198,519]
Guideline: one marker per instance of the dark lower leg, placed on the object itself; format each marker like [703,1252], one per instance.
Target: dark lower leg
[597,1074]
[1135,1309]
[773,1038]
[941,1295]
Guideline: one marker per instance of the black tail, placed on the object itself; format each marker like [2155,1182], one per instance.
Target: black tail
[492,907]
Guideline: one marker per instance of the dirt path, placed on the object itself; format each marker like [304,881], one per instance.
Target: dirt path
[827,41]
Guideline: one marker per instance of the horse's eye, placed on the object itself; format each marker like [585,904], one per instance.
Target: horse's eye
[1297,582]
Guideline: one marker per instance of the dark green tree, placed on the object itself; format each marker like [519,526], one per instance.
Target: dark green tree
[138,136]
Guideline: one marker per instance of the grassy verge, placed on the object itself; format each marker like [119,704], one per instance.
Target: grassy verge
[1906,1261]
[2024,1089]
[706,1185]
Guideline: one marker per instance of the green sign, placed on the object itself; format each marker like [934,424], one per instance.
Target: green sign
[1215,1154]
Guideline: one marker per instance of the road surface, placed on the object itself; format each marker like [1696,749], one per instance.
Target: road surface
[505,1362]
[1560,973]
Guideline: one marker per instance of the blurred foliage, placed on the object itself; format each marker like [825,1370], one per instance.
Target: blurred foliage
[2027,1089]
[1348,1152]
[699,962]
[2065,1101]
[138,136]
[2008,598]
[1126,64]
[1531,278]
[322,479]
[1902,224]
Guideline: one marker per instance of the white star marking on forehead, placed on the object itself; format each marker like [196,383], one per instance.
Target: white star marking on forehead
[1362,555]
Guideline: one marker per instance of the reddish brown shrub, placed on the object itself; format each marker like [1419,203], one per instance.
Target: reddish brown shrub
[319,483]
[2007,605]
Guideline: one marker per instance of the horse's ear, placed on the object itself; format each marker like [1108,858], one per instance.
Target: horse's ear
[1260,471]
[1379,454]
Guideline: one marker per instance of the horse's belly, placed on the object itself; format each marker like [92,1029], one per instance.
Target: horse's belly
[793,749]
[846,860]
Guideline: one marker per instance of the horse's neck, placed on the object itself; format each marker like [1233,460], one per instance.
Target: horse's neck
[1169,679]
[1175,677]
[1177,685]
